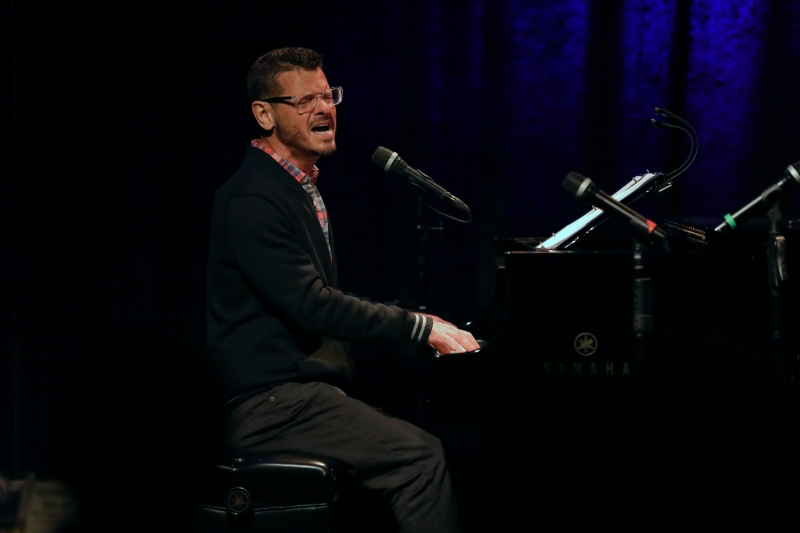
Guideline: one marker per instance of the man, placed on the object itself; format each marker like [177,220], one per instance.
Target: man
[277,321]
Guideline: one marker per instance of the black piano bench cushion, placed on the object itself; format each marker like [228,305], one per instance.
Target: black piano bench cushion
[277,492]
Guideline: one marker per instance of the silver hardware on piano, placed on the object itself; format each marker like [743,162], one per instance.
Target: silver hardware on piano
[572,232]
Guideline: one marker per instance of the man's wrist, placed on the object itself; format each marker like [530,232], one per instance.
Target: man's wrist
[421,327]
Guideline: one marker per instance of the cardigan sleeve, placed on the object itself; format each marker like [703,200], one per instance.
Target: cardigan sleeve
[267,250]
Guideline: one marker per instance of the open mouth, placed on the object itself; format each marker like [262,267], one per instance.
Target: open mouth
[322,129]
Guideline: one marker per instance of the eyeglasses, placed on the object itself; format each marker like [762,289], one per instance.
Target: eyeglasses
[307,102]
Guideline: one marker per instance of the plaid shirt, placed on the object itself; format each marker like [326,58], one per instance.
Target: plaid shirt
[309,184]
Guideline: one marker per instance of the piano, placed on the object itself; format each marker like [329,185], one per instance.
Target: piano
[568,415]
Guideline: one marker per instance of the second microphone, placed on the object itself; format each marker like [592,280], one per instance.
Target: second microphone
[391,162]
[585,189]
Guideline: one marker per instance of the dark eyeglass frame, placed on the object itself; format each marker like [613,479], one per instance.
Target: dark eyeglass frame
[294,99]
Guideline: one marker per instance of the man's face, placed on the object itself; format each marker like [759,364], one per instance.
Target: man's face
[307,136]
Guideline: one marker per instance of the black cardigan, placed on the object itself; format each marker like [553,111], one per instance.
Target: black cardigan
[274,311]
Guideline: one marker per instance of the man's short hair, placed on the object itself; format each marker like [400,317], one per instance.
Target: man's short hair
[262,80]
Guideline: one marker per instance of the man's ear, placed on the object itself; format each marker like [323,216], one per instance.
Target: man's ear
[263,113]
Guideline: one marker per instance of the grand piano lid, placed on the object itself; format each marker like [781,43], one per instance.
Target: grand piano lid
[628,194]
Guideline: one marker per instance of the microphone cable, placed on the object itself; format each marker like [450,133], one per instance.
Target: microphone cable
[429,206]
[693,138]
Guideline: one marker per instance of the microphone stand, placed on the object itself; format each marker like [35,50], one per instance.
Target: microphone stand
[776,274]
[423,352]
[642,306]
[423,252]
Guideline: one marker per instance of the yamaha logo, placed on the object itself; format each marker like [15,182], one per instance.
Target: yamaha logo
[585,344]
[238,501]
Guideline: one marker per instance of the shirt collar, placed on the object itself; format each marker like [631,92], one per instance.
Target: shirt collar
[301,177]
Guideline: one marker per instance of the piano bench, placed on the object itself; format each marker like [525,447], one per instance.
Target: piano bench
[277,492]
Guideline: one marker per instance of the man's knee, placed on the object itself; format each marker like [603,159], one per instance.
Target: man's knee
[430,464]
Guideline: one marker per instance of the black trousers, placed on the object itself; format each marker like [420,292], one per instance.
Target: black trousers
[386,454]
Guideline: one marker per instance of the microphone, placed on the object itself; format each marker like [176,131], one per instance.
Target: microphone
[585,189]
[391,162]
[768,198]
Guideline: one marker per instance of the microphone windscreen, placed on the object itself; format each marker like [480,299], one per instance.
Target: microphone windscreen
[573,183]
[794,171]
[381,156]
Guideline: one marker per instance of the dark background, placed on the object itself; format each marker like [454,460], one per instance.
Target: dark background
[124,119]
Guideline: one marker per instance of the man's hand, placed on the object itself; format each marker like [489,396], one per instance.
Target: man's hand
[435,318]
[446,338]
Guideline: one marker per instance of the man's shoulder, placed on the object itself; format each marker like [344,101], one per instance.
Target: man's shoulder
[259,175]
